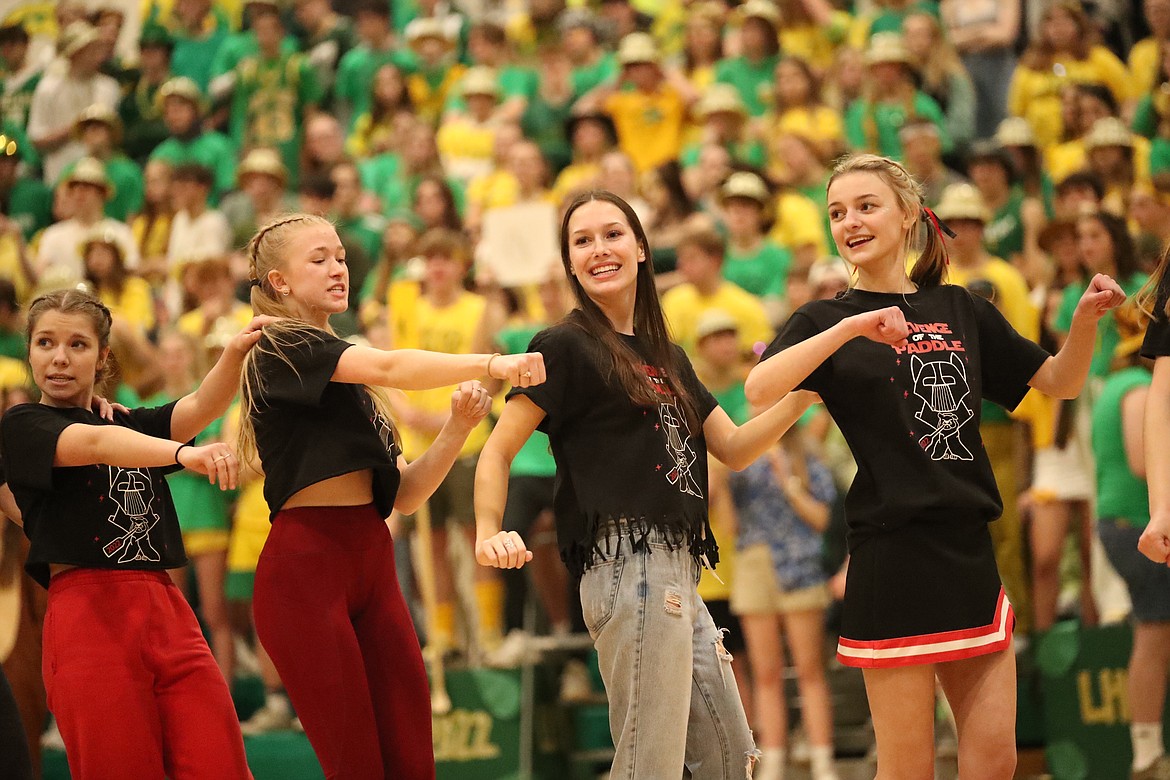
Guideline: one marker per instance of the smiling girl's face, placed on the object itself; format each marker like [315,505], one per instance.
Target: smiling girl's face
[603,251]
[866,218]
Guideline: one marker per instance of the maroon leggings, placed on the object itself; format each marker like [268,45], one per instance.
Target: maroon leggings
[329,611]
[132,683]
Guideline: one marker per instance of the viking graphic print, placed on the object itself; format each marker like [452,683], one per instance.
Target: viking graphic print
[941,385]
[131,492]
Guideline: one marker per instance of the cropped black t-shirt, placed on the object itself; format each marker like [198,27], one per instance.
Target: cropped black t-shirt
[309,428]
[910,414]
[615,460]
[98,516]
[1157,341]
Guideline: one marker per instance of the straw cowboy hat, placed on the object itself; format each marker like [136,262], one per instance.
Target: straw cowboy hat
[263,161]
[888,47]
[638,47]
[721,99]
[100,114]
[89,170]
[962,201]
[184,89]
[1015,131]
[1108,131]
[480,80]
[744,184]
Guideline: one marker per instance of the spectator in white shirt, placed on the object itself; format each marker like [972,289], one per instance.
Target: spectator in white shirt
[68,87]
[59,260]
[197,232]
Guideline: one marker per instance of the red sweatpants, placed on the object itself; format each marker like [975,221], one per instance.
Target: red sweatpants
[132,682]
[330,613]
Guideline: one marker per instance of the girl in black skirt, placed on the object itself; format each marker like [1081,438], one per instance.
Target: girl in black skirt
[923,596]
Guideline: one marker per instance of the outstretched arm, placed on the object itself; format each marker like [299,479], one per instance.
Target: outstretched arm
[1155,541]
[772,379]
[470,403]
[84,445]
[739,446]
[493,547]
[416,369]
[1063,375]
[214,395]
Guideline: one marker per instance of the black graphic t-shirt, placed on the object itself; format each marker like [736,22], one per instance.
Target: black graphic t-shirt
[1157,341]
[309,428]
[615,460]
[98,516]
[911,414]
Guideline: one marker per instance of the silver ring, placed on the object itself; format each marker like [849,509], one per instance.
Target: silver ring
[221,457]
[527,375]
[509,544]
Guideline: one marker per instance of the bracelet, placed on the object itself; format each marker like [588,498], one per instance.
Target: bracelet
[489,365]
[180,449]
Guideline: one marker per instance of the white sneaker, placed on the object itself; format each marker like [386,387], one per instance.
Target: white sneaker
[510,653]
[576,687]
[247,665]
[52,739]
[275,715]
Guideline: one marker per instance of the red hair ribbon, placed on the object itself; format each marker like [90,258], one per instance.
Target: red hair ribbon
[940,228]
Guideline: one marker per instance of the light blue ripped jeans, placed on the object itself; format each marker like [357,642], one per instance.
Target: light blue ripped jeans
[674,710]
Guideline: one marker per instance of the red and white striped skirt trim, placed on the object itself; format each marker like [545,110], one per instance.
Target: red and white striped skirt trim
[932,648]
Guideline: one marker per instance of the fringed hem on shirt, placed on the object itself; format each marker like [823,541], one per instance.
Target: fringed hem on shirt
[692,532]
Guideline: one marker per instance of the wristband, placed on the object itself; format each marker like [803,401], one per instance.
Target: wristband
[180,449]
[489,365]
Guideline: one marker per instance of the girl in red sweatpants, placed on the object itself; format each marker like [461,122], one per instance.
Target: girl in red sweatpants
[128,674]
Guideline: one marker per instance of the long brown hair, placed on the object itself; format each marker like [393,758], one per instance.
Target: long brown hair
[930,269]
[266,251]
[625,365]
[1040,55]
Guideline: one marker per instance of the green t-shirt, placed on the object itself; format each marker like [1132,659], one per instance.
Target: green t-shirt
[30,204]
[1159,156]
[544,123]
[142,123]
[199,505]
[129,191]
[867,124]
[733,401]
[1004,235]
[243,44]
[753,81]
[355,75]
[535,458]
[193,56]
[366,229]
[586,77]
[763,273]
[14,104]
[1107,335]
[750,153]
[269,104]
[1120,493]
[513,80]
[212,150]
[12,344]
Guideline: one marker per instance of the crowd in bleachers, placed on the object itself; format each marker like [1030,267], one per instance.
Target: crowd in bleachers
[142,146]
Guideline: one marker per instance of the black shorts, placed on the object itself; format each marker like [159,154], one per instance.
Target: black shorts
[527,498]
[926,592]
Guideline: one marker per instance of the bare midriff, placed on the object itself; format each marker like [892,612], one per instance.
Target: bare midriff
[352,489]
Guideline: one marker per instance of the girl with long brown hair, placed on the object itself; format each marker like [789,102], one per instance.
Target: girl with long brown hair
[630,426]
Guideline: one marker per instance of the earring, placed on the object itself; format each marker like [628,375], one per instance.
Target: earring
[285,292]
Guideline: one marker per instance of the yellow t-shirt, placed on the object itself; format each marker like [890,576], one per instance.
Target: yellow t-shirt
[1011,291]
[574,177]
[366,135]
[815,44]
[13,373]
[152,238]
[451,329]
[493,190]
[11,269]
[649,126]
[1069,157]
[135,305]
[1035,95]
[194,324]
[799,222]
[465,147]
[683,306]
[429,100]
[1143,65]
